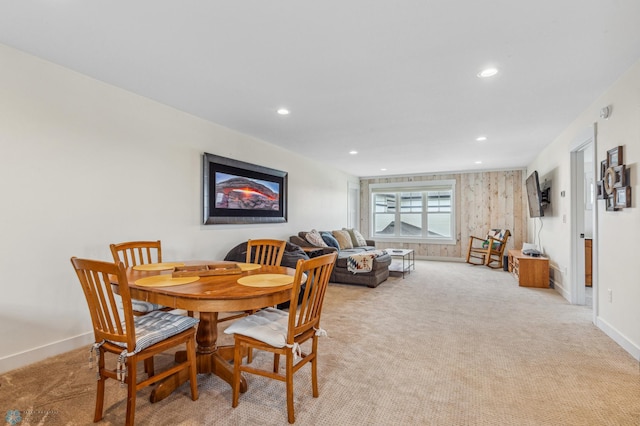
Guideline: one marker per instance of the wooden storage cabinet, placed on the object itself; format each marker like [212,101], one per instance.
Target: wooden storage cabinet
[529,271]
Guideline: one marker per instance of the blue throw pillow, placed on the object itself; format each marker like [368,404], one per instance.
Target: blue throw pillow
[330,240]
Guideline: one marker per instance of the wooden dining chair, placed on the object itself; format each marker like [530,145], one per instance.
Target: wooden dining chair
[265,251]
[133,253]
[283,333]
[130,338]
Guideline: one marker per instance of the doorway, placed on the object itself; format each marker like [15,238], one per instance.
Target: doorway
[583,220]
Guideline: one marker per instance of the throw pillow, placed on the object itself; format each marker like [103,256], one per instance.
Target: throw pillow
[354,240]
[315,239]
[330,240]
[360,238]
[344,240]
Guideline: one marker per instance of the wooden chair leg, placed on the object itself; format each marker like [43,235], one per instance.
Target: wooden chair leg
[237,360]
[97,416]
[276,362]
[314,367]
[290,414]
[149,367]
[191,357]
[131,390]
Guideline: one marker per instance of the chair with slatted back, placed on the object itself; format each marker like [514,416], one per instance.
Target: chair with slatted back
[130,338]
[134,253]
[283,333]
[265,251]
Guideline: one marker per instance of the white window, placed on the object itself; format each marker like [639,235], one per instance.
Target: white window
[414,211]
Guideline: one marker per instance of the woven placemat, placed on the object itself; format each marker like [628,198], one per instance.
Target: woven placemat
[266,280]
[164,281]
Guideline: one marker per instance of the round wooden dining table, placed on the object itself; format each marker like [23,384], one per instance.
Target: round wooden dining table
[209,296]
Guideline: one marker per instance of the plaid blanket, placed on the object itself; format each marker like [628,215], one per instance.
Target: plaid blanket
[363,262]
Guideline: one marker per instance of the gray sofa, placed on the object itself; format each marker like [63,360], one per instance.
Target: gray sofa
[340,274]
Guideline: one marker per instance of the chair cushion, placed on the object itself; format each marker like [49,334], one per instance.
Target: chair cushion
[498,234]
[267,325]
[142,306]
[156,326]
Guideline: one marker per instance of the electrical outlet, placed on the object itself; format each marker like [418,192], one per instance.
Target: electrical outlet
[610,295]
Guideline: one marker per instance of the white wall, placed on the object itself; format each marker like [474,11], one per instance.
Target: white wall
[618,267]
[84,164]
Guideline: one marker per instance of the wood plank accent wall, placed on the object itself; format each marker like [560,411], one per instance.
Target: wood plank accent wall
[484,200]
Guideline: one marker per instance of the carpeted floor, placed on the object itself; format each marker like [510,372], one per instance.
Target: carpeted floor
[451,344]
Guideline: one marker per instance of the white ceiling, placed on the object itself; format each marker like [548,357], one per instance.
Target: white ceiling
[394,80]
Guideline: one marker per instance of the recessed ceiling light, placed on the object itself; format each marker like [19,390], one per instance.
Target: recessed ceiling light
[478,162]
[353,152]
[481,138]
[383,169]
[488,72]
[283,111]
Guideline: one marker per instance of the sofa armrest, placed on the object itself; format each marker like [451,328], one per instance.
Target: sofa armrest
[294,239]
[371,243]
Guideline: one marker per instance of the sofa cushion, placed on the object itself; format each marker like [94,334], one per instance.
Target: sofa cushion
[315,238]
[330,240]
[344,239]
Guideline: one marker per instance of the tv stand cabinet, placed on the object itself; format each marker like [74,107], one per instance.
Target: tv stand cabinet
[529,271]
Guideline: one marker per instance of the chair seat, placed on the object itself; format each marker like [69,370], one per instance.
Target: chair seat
[267,325]
[157,326]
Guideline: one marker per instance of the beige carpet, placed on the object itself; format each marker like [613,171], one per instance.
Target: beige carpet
[451,344]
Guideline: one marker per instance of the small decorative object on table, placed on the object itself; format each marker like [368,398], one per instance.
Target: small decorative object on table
[209,269]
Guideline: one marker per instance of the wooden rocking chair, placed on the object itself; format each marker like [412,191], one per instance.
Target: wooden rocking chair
[490,250]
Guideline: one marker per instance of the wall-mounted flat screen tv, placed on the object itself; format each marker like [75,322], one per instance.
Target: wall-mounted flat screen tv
[534,196]
[236,192]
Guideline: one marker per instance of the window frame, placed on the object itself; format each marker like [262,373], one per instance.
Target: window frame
[422,187]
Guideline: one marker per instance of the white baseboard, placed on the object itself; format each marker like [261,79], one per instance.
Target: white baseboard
[619,338]
[21,359]
[559,288]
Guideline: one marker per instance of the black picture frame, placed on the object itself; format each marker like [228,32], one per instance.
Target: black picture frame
[236,192]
